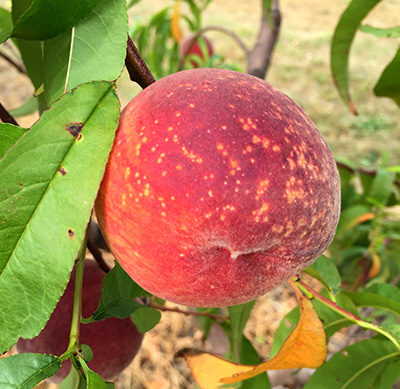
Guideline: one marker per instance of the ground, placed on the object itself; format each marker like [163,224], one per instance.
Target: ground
[300,67]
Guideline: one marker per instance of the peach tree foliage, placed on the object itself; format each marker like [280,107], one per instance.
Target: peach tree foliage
[50,174]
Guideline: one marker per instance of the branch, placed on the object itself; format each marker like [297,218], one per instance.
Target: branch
[259,59]
[137,68]
[6,117]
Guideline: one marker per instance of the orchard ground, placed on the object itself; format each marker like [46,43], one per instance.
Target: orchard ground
[300,67]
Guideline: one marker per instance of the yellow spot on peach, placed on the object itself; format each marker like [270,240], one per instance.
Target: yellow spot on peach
[156,121]
[256,139]
[181,255]
[159,160]
[262,188]
[170,94]
[220,146]
[212,286]
[208,215]
[252,160]
[265,143]
[124,199]
[119,142]
[178,167]
[276,148]
[164,173]
[222,217]
[223,127]
[144,139]
[292,164]
[231,106]
[170,128]
[118,154]
[175,138]
[127,172]
[191,105]
[178,114]
[210,193]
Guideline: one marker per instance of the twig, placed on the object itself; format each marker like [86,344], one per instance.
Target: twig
[188,313]
[97,255]
[6,117]
[18,66]
[202,31]
[259,59]
[137,69]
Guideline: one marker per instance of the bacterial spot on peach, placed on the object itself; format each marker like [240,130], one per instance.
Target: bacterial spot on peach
[228,189]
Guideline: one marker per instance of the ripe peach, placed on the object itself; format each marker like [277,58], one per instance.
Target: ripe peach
[114,342]
[218,188]
[195,48]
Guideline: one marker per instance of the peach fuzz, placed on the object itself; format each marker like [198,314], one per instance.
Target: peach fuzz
[218,188]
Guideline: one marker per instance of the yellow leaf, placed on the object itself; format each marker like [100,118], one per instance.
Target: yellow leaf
[304,347]
[175,18]
[375,267]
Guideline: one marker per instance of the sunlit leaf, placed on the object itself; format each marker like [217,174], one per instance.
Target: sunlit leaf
[48,184]
[46,19]
[389,82]
[324,270]
[305,347]
[94,49]
[26,370]
[341,45]
[6,24]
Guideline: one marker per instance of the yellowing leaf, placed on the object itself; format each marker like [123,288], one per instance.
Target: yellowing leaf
[361,219]
[175,18]
[376,266]
[304,347]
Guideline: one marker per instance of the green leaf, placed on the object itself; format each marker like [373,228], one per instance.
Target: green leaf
[249,356]
[341,44]
[350,216]
[27,108]
[146,318]
[389,82]
[31,51]
[357,366]
[26,370]
[93,50]
[46,19]
[393,32]
[324,270]
[9,134]
[205,322]
[381,187]
[118,295]
[93,380]
[6,24]
[388,299]
[48,184]
[238,314]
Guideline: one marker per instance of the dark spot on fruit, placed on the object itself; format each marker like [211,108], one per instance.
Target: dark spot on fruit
[71,234]
[62,171]
[74,128]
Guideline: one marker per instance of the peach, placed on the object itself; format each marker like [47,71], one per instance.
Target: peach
[195,48]
[218,188]
[114,342]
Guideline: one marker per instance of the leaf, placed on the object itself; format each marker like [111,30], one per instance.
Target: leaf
[324,270]
[26,370]
[371,299]
[46,19]
[356,366]
[118,295]
[389,82]
[6,24]
[93,380]
[48,184]
[341,45]
[9,134]
[146,318]
[393,32]
[305,347]
[27,108]
[352,217]
[175,18]
[93,50]
[381,187]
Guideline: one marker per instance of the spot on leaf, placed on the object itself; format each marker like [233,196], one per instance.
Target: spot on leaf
[74,128]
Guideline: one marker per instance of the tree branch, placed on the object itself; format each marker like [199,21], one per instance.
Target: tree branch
[137,69]
[259,59]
